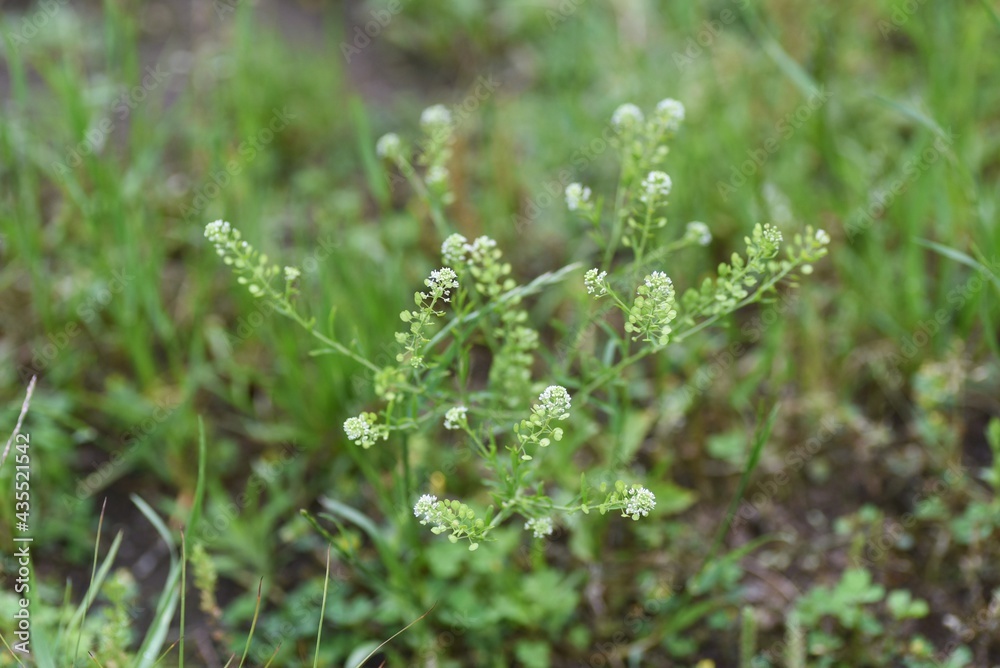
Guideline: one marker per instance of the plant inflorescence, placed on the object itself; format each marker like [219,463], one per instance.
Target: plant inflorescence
[473,301]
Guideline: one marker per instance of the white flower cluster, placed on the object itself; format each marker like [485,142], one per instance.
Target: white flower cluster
[389,146]
[670,113]
[661,288]
[655,188]
[455,417]
[455,249]
[653,309]
[539,526]
[252,268]
[435,118]
[362,430]
[577,197]
[553,405]
[594,281]
[481,249]
[698,232]
[356,428]
[441,282]
[812,248]
[426,508]
[437,175]
[772,234]
[553,402]
[639,502]
[483,261]
[291,273]
[626,116]
[221,234]
[667,117]
[450,515]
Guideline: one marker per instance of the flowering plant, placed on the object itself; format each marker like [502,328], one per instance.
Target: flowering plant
[473,302]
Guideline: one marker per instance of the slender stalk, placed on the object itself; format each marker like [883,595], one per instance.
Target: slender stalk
[418,185]
[335,345]
[20,418]
[616,370]
[405,454]
[645,233]
[180,656]
[322,609]
[619,216]
[536,285]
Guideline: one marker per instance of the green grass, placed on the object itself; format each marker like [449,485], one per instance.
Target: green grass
[177,339]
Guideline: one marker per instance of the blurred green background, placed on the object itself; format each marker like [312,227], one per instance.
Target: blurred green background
[127,126]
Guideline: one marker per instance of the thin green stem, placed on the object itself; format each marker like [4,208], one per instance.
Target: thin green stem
[618,212]
[616,370]
[645,233]
[475,439]
[437,216]
[406,467]
[339,347]
[545,279]
[286,308]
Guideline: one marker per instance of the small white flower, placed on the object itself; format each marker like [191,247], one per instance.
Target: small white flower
[455,417]
[670,112]
[437,175]
[822,237]
[482,244]
[539,526]
[772,234]
[577,196]
[389,146]
[435,117]
[595,282]
[220,232]
[481,249]
[441,282]
[454,250]
[291,273]
[655,187]
[640,502]
[626,116]
[699,232]
[653,309]
[555,401]
[425,508]
[357,428]
[362,431]
[660,286]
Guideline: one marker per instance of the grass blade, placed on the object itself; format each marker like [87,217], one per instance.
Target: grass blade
[163,617]
[759,441]
[253,624]
[20,418]
[180,658]
[91,591]
[962,258]
[199,489]
[370,163]
[390,638]
[322,609]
